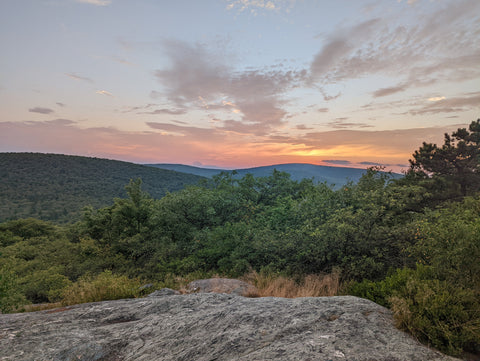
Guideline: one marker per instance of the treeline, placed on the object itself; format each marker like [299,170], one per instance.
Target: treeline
[411,244]
[56,187]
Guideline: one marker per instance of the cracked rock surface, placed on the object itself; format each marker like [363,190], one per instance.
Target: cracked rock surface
[210,326]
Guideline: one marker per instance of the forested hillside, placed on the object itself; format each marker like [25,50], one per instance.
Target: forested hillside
[336,176]
[411,244]
[56,187]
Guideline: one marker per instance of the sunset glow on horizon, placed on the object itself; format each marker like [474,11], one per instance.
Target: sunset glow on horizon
[237,83]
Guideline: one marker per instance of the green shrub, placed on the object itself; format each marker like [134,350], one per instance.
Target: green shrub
[441,314]
[448,240]
[105,286]
[445,316]
[380,291]
[10,297]
[44,285]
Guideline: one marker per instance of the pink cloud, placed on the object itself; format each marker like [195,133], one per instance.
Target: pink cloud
[198,78]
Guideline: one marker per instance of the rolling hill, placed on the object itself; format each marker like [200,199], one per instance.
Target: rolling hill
[203,172]
[336,176]
[56,187]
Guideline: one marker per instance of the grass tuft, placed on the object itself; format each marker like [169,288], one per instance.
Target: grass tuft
[307,286]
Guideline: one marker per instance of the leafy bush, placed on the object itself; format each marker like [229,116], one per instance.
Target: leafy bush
[105,286]
[439,313]
[380,291]
[10,297]
[448,240]
[44,285]
[445,316]
[27,228]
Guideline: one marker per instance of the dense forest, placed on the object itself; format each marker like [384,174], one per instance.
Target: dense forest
[336,176]
[56,187]
[411,244]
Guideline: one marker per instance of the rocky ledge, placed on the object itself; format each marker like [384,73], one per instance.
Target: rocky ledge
[210,326]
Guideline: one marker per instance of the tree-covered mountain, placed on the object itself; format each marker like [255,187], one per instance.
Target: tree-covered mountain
[56,187]
[190,169]
[336,176]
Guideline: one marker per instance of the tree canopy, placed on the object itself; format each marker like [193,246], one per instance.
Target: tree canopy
[456,163]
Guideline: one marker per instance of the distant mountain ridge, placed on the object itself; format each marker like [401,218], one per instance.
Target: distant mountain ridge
[56,187]
[336,176]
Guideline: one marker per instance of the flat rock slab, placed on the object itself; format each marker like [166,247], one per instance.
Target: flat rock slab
[209,326]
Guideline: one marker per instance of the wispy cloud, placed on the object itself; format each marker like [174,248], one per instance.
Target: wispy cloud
[61,121]
[128,109]
[414,56]
[243,5]
[390,90]
[442,47]
[193,73]
[329,64]
[78,77]
[41,110]
[327,97]
[341,123]
[54,122]
[122,61]
[386,145]
[449,105]
[372,164]
[303,127]
[166,111]
[185,130]
[199,78]
[255,6]
[104,92]
[96,2]
[148,109]
[436,99]
[419,105]
[325,60]
[409,2]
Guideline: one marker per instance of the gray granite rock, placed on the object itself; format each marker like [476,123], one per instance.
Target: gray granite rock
[222,285]
[209,326]
[164,292]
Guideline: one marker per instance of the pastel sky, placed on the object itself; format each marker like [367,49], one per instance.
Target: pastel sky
[237,83]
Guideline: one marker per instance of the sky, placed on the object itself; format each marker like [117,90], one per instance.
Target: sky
[237,83]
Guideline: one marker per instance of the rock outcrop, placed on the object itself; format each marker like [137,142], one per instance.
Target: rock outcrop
[222,285]
[209,326]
